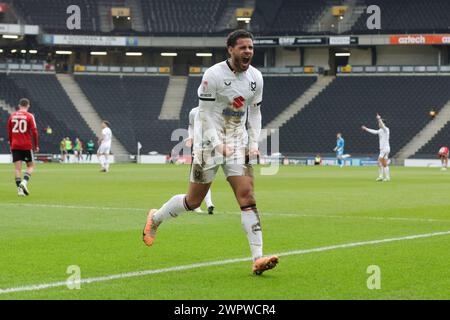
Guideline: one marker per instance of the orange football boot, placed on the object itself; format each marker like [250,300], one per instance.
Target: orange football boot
[264,263]
[149,233]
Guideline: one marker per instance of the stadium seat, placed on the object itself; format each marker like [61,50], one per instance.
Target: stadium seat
[51,14]
[408,17]
[4,146]
[349,102]
[50,105]
[431,148]
[132,104]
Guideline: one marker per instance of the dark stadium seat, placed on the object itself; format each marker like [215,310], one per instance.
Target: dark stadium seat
[51,14]
[430,149]
[288,17]
[182,16]
[50,105]
[200,17]
[4,146]
[190,98]
[408,16]
[280,92]
[349,102]
[132,104]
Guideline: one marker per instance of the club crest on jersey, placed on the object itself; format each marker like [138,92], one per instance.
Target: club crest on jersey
[238,102]
[253,86]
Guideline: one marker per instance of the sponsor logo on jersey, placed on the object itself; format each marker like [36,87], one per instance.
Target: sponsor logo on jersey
[232,113]
[253,86]
[227,83]
[238,102]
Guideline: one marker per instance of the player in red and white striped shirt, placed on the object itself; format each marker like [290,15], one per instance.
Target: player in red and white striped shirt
[22,130]
[443,154]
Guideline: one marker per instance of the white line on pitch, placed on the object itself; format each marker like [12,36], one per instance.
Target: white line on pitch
[62,206]
[214,263]
[286,214]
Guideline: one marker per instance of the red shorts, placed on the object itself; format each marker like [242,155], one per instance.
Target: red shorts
[443,152]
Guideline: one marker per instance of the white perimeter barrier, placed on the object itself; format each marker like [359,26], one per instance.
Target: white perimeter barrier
[424,163]
[159,159]
[6,158]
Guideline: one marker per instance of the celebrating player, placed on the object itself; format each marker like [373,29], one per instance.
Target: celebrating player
[339,149]
[383,158]
[443,155]
[104,146]
[193,116]
[21,129]
[230,95]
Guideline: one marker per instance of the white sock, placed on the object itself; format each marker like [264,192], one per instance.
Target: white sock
[386,173]
[100,160]
[106,163]
[208,199]
[252,226]
[380,171]
[171,209]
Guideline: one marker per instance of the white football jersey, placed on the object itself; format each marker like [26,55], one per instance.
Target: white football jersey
[106,136]
[192,116]
[230,93]
[383,135]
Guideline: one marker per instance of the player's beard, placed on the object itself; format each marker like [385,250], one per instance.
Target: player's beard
[242,63]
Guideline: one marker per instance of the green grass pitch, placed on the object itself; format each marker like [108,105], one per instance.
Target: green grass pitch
[76,215]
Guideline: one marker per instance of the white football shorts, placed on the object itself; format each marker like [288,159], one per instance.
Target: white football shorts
[384,154]
[104,149]
[204,167]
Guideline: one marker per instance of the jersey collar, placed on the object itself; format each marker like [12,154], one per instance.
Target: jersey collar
[229,66]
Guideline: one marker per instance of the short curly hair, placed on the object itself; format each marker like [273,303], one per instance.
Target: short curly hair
[238,34]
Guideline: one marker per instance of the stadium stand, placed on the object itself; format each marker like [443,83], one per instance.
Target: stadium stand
[51,14]
[182,16]
[190,98]
[280,92]
[350,102]
[408,16]
[132,104]
[288,17]
[4,146]
[200,17]
[50,105]
[431,148]
[46,90]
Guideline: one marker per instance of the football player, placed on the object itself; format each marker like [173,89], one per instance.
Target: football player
[104,148]
[443,155]
[383,159]
[339,149]
[227,135]
[22,130]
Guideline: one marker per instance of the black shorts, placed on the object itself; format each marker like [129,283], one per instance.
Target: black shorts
[22,155]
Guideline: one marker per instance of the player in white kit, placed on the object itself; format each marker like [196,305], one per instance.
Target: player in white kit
[383,158]
[226,134]
[104,148]
[193,117]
